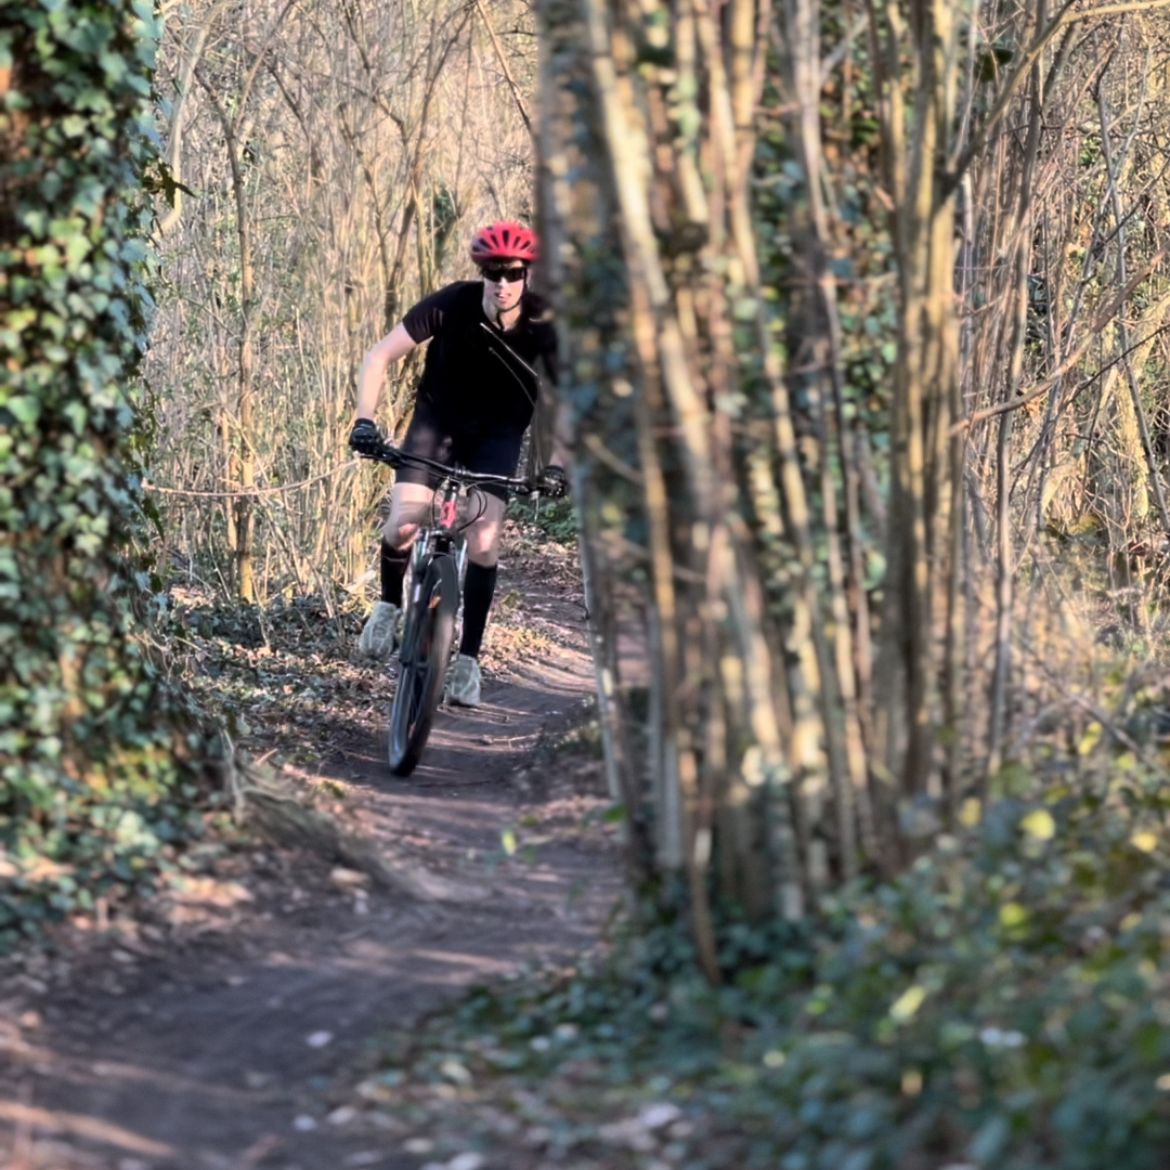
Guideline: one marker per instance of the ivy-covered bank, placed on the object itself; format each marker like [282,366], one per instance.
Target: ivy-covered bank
[90,794]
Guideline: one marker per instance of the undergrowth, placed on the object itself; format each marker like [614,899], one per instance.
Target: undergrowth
[556,519]
[1005,1003]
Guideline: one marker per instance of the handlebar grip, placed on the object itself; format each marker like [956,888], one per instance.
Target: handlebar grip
[383,454]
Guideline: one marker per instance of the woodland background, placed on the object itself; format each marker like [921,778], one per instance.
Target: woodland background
[864,343]
[349,150]
[980,413]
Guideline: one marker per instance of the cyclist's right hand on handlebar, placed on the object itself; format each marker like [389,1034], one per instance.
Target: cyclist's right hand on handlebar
[553,482]
[365,438]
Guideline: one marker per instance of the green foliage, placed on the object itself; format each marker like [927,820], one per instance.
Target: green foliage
[861,249]
[991,60]
[555,518]
[90,796]
[859,256]
[1005,1003]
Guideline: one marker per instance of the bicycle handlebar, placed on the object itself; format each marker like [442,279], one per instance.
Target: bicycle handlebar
[396,457]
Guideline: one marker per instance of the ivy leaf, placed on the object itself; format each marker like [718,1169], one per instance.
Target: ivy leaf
[160,180]
[24,409]
[908,1003]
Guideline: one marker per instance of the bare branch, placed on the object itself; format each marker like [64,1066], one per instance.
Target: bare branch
[504,65]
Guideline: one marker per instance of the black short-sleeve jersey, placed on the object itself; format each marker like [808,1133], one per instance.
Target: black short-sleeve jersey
[471,377]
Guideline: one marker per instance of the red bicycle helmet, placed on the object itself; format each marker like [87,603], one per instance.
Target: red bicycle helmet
[504,240]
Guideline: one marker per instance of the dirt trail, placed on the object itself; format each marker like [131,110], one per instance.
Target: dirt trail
[212,1041]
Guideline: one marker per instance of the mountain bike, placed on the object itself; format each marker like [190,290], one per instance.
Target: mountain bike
[437,562]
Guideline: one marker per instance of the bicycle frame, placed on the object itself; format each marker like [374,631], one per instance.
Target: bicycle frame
[442,538]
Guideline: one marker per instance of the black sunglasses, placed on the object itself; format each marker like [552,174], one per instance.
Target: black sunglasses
[496,273]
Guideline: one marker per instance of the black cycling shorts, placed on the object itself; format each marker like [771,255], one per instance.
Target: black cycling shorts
[487,452]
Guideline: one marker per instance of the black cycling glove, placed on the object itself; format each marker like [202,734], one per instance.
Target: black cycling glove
[553,482]
[365,438]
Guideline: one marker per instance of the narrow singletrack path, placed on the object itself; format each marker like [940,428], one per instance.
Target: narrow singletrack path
[211,1039]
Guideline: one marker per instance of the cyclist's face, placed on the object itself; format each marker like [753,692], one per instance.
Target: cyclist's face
[503,284]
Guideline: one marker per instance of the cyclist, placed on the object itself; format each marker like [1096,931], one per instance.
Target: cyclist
[477,396]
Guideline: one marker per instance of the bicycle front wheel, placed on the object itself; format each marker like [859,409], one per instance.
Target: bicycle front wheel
[426,650]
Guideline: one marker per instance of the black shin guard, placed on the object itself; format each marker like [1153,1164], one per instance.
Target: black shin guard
[479,587]
[394,563]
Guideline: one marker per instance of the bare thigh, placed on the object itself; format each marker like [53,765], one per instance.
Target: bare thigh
[483,537]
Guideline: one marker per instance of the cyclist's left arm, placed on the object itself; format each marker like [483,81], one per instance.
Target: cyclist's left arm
[561,455]
[562,417]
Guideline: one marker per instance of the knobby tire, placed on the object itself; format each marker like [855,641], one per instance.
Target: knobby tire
[426,650]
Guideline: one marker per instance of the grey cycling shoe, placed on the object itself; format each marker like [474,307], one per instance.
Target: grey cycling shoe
[463,682]
[380,634]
